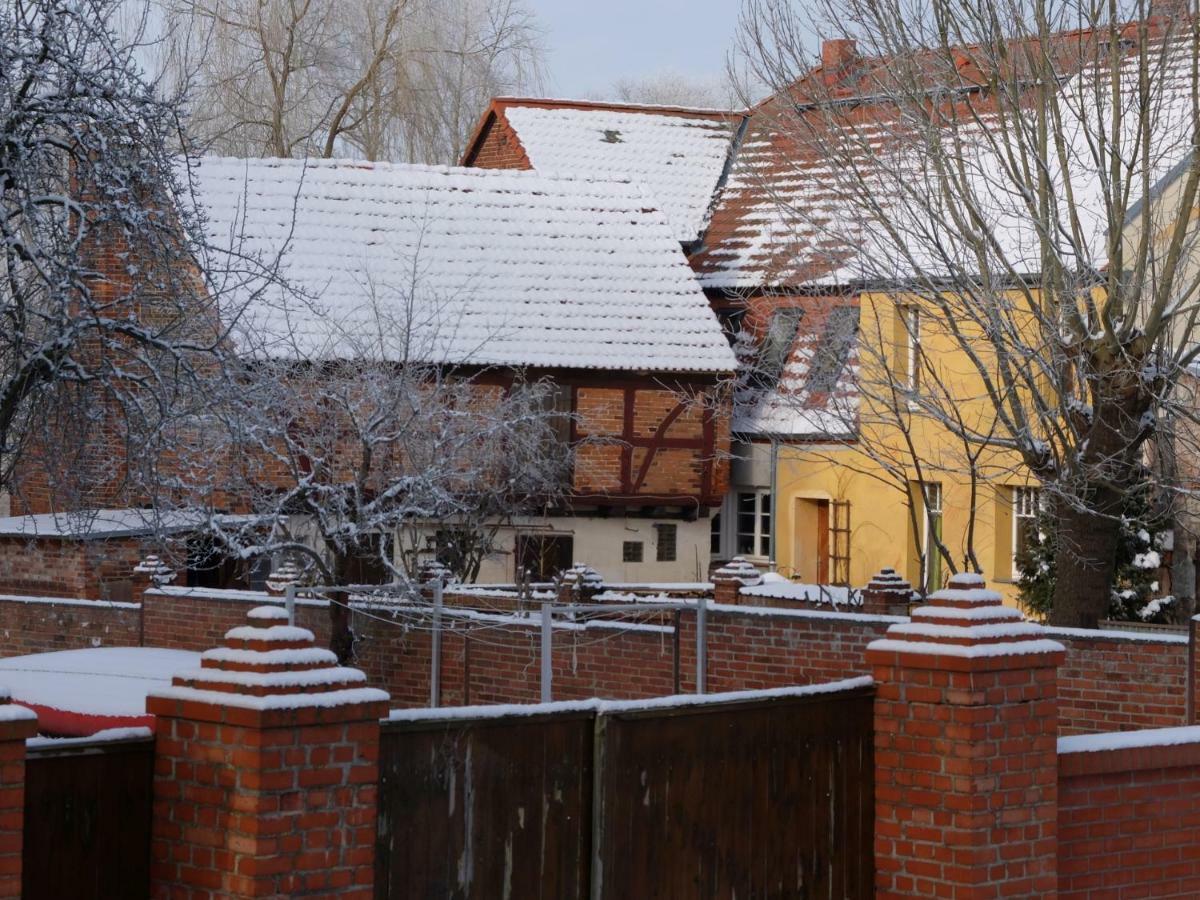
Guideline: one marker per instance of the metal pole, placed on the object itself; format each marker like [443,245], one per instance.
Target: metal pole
[774,500]
[435,674]
[547,649]
[289,595]
[701,643]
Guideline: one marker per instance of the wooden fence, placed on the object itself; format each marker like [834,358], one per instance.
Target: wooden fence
[753,795]
[88,811]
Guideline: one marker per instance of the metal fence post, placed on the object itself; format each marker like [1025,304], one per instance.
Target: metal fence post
[289,599]
[547,650]
[435,674]
[701,644]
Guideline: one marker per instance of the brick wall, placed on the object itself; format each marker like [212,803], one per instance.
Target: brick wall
[1108,681]
[54,567]
[1127,821]
[499,148]
[1115,683]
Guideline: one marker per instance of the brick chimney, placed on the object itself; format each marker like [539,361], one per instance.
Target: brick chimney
[836,55]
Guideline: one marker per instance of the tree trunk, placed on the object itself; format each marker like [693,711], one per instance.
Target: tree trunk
[1085,562]
[341,632]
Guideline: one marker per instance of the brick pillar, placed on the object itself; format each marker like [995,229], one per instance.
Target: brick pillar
[16,724]
[151,572]
[966,722]
[1193,707]
[267,770]
[729,580]
[888,594]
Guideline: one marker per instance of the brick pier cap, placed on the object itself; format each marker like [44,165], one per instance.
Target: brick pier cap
[269,673]
[966,627]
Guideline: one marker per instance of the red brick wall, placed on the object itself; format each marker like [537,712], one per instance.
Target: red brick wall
[1112,684]
[65,568]
[1127,822]
[40,627]
[1107,683]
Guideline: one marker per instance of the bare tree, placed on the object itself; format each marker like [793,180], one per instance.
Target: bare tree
[1025,174]
[676,89]
[402,80]
[106,324]
[353,458]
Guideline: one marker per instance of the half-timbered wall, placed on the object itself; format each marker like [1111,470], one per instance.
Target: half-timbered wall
[645,444]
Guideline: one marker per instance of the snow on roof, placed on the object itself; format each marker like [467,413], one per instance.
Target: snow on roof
[792,211]
[467,266]
[102,681]
[677,156]
[814,395]
[98,523]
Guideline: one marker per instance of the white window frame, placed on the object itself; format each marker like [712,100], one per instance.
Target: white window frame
[929,490]
[761,535]
[912,328]
[1032,498]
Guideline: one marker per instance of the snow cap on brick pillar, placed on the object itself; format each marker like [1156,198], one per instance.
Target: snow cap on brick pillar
[888,593]
[151,572]
[16,724]
[267,770]
[966,724]
[729,580]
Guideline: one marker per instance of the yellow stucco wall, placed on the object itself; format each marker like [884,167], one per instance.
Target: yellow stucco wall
[882,529]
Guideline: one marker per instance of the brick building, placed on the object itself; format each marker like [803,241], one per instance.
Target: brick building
[795,346]
[504,275]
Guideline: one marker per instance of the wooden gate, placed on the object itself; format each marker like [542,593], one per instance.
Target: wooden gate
[88,812]
[769,796]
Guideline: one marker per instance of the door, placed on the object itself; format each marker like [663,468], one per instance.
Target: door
[543,555]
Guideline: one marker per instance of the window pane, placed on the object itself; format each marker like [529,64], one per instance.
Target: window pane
[714,540]
[745,544]
[765,503]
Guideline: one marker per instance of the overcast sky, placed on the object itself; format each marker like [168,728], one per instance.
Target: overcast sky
[592,43]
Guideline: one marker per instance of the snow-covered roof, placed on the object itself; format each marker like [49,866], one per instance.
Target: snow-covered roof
[792,211]
[464,266]
[677,156]
[814,395]
[98,523]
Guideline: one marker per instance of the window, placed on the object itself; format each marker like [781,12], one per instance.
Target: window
[931,576]
[666,542]
[631,551]
[543,555]
[777,344]
[753,536]
[908,347]
[833,351]
[1026,502]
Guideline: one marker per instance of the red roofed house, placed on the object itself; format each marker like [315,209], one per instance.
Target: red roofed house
[700,167]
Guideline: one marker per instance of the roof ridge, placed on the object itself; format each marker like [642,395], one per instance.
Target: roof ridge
[617,106]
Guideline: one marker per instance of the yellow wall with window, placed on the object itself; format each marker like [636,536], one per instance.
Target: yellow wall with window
[877,482]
